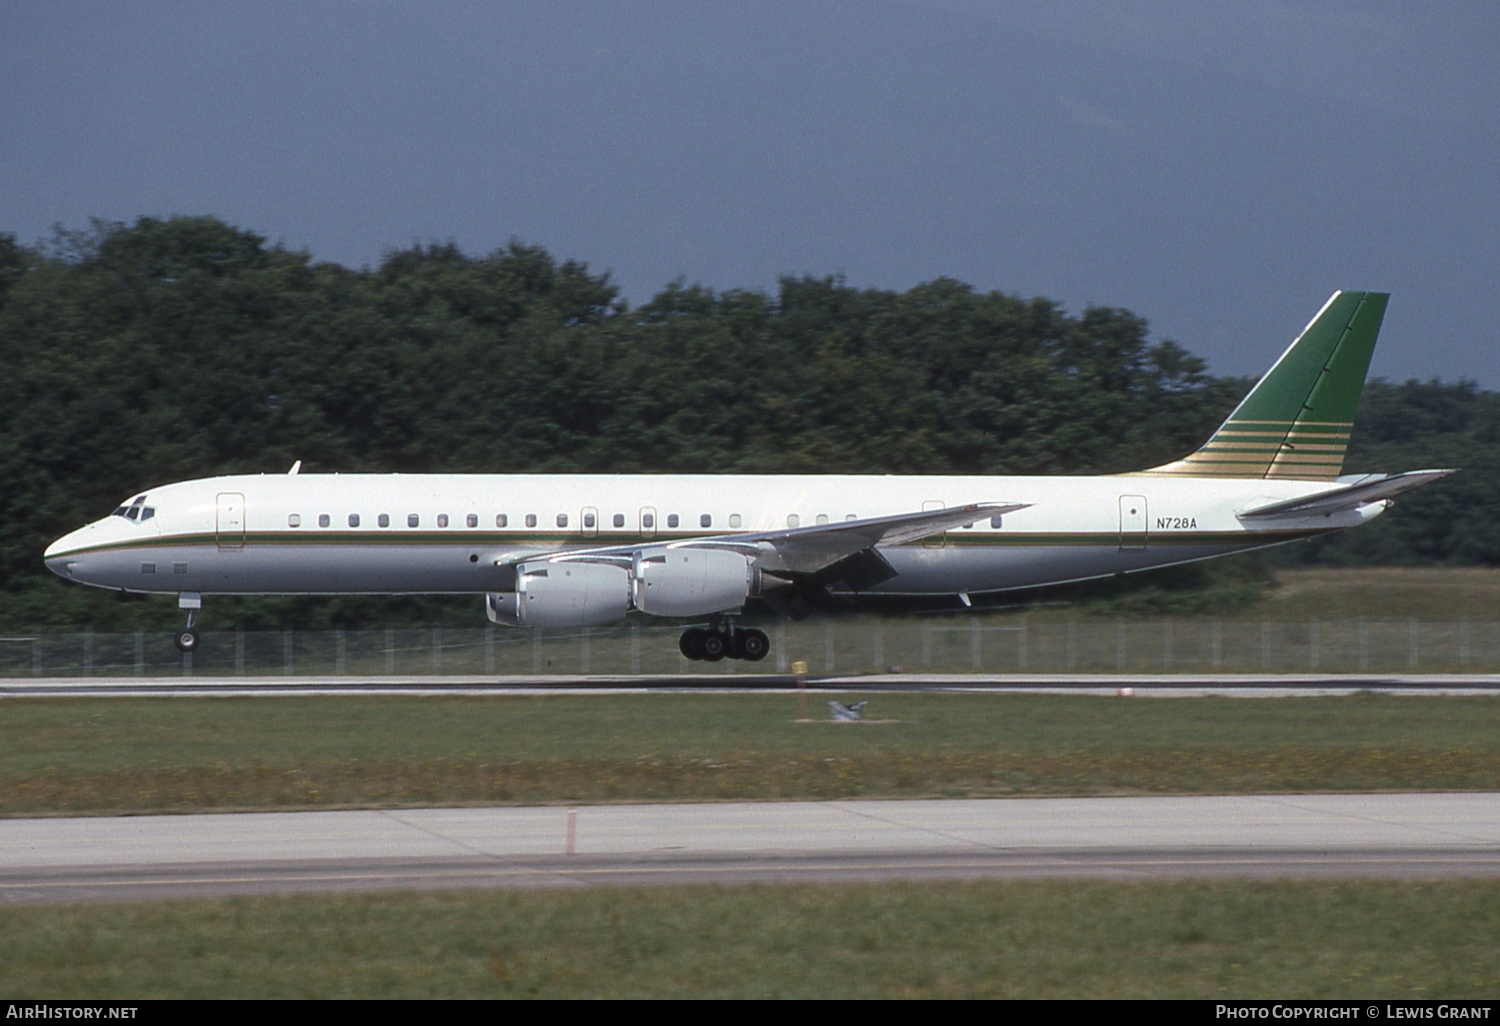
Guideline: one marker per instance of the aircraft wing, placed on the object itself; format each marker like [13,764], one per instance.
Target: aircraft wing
[803,550]
[1374,488]
[810,549]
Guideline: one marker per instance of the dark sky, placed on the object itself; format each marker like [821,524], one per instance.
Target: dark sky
[1218,168]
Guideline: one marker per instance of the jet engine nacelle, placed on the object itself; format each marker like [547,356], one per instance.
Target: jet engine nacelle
[562,595]
[692,582]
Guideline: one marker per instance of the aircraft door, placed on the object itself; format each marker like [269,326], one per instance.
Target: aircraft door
[229,526]
[589,521]
[1132,523]
[648,521]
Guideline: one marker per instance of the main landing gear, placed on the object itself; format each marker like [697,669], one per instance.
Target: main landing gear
[724,637]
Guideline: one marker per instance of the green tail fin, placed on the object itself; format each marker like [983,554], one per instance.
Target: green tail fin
[1295,422]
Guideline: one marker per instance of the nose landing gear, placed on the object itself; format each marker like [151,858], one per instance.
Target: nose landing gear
[724,637]
[187,639]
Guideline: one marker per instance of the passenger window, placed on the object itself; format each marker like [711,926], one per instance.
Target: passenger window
[588,520]
[472,520]
[384,520]
[994,521]
[734,520]
[850,516]
[413,520]
[648,520]
[822,518]
[792,520]
[294,520]
[562,520]
[705,521]
[501,520]
[672,520]
[323,520]
[619,520]
[353,519]
[531,520]
[442,520]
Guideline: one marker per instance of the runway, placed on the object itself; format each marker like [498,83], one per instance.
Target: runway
[1242,685]
[1270,836]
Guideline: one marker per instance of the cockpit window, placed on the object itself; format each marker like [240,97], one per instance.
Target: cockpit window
[135,510]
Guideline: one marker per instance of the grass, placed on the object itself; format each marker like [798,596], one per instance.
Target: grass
[100,756]
[1021,939]
[1397,593]
[1391,593]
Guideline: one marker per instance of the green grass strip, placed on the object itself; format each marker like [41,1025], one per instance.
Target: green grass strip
[1362,939]
[84,756]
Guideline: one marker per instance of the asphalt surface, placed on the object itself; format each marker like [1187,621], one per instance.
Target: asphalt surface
[1142,685]
[1263,837]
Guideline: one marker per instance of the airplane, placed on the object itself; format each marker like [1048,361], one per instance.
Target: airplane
[570,550]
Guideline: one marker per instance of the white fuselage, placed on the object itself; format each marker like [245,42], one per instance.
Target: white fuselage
[433,534]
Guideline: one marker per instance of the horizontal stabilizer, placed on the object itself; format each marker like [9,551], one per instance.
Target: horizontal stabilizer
[1352,496]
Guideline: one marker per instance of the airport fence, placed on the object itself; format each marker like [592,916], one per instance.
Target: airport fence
[841,645]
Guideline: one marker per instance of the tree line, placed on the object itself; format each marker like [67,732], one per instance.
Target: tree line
[167,349]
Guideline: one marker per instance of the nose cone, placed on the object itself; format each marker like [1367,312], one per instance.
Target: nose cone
[61,555]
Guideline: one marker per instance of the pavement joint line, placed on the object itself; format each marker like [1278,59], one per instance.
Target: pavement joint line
[967,842]
[395,815]
[1291,802]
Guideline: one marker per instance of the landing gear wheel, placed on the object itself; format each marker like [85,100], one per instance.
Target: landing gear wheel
[715,646]
[691,643]
[753,645]
[186,640]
